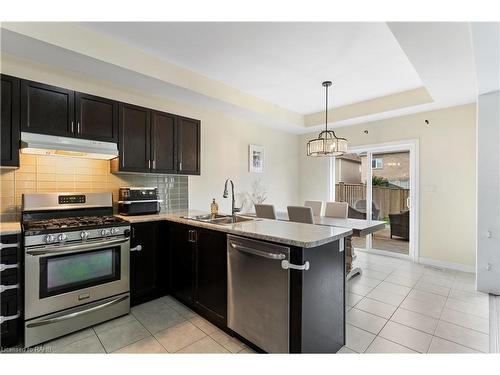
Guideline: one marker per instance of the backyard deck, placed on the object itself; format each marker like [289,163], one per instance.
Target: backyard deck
[381,241]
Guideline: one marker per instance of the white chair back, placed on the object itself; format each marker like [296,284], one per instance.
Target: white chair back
[336,209]
[300,214]
[265,211]
[317,207]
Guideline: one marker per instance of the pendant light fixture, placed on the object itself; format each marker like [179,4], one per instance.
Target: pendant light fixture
[327,143]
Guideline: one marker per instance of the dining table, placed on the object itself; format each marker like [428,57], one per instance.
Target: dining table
[359,227]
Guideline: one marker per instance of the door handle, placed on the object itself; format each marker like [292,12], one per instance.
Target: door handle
[136,248]
[78,313]
[76,248]
[285,264]
[264,254]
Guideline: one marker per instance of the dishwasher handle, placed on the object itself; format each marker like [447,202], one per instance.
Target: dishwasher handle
[264,254]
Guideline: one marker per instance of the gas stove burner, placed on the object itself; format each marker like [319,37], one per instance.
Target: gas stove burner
[71,223]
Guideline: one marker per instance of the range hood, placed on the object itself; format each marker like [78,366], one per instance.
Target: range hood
[41,144]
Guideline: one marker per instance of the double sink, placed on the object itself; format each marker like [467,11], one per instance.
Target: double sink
[219,219]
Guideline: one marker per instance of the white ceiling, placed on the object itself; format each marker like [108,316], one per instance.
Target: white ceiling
[282,63]
[376,59]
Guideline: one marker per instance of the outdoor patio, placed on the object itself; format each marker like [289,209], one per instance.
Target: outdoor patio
[382,241]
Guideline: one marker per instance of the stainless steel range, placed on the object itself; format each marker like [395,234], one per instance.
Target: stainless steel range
[76,263]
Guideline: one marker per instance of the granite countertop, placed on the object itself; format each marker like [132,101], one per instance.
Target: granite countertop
[289,233]
[10,227]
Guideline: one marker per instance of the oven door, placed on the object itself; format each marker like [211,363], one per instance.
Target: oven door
[60,277]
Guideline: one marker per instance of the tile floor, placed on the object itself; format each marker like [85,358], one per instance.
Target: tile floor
[395,306]
[160,326]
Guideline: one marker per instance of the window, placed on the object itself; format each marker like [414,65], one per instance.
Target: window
[377,163]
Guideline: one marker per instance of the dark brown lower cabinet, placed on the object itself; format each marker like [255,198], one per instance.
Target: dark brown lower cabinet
[148,262]
[198,270]
[211,273]
[11,300]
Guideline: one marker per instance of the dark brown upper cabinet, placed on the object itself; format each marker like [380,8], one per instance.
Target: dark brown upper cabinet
[163,145]
[135,138]
[96,118]
[47,109]
[56,111]
[10,121]
[188,146]
[157,142]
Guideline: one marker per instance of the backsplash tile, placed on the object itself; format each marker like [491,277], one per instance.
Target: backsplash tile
[61,174]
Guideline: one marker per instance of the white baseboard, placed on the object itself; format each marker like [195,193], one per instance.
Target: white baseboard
[449,265]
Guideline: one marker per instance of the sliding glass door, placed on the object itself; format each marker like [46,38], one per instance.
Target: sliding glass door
[391,200]
[378,183]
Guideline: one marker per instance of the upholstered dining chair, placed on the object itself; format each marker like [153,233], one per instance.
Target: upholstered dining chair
[336,209]
[265,211]
[317,207]
[300,214]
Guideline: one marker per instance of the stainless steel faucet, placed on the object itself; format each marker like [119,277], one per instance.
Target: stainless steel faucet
[226,194]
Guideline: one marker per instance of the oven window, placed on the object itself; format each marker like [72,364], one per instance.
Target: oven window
[69,272]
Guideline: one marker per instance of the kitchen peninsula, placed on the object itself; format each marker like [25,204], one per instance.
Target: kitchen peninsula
[304,262]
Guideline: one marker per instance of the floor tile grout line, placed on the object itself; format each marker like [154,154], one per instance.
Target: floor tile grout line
[100,342]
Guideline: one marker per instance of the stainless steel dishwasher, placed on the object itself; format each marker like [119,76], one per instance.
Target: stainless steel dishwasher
[258,292]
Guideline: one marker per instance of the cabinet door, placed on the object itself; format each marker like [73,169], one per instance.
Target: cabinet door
[10,121]
[144,279]
[211,273]
[96,118]
[163,142]
[182,263]
[47,109]
[134,144]
[188,146]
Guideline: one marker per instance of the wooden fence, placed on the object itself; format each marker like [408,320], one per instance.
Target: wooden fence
[388,199]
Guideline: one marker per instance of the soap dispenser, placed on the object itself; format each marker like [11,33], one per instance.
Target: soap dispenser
[214,209]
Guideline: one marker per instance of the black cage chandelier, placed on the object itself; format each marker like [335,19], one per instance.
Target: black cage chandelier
[327,143]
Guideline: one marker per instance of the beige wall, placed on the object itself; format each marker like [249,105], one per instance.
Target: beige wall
[447,176]
[225,139]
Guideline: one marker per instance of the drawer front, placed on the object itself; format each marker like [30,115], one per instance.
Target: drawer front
[10,281]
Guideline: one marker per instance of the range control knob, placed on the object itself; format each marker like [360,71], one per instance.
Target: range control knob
[104,232]
[84,234]
[49,238]
[62,237]
[115,231]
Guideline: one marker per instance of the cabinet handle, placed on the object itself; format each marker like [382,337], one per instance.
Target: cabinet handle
[3,288]
[133,232]
[193,236]
[78,128]
[180,166]
[137,248]
[4,267]
[149,164]
[8,245]
[9,317]
[154,163]
[72,127]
